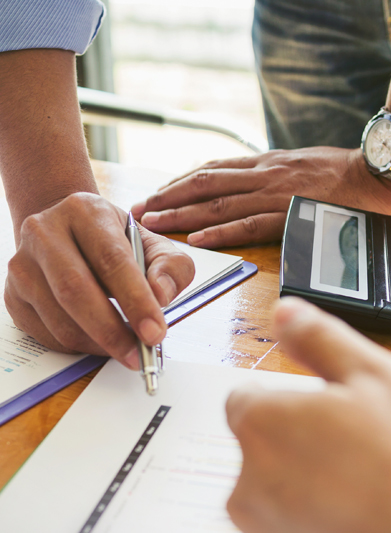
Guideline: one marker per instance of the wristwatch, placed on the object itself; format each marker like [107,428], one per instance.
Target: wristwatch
[376,144]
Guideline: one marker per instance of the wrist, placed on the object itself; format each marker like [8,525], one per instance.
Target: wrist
[374,190]
[358,165]
[44,179]
[43,155]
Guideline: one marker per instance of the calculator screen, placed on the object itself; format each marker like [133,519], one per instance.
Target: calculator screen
[339,253]
[339,259]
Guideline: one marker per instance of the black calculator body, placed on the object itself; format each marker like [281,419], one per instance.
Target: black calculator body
[338,258]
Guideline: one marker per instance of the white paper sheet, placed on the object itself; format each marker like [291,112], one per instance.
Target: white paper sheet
[182,478]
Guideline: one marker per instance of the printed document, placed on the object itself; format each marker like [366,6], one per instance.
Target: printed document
[120,461]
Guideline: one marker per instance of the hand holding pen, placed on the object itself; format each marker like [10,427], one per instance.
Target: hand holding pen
[69,258]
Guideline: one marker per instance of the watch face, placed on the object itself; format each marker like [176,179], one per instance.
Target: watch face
[378,143]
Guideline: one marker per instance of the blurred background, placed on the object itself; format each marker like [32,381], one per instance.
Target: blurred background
[191,55]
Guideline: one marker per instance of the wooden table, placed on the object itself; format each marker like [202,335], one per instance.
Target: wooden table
[233,330]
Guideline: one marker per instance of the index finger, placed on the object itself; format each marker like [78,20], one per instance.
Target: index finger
[200,186]
[109,253]
[235,162]
[213,179]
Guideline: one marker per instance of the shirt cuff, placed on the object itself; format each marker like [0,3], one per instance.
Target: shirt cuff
[65,24]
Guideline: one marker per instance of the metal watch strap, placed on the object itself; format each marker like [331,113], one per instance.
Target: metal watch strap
[378,173]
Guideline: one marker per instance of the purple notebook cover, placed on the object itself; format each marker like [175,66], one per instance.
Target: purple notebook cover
[80,369]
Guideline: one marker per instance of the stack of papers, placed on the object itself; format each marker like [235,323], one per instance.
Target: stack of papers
[211,267]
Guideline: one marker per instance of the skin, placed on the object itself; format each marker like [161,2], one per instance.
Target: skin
[241,201]
[316,461]
[71,246]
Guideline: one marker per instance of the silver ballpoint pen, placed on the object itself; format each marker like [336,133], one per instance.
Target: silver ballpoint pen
[151,363]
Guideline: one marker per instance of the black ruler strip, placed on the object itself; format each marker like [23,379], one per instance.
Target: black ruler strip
[125,469]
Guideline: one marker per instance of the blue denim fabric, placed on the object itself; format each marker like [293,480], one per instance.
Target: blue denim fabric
[324,68]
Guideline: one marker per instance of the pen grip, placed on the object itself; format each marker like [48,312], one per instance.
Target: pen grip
[137,247]
[148,359]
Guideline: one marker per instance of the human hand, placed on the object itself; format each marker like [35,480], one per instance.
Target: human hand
[241,201]
[69,258]
[317,461]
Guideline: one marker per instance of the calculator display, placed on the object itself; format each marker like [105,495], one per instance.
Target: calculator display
[339,260]
[339,254]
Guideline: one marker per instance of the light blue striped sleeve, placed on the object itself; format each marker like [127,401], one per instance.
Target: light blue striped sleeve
[66,24]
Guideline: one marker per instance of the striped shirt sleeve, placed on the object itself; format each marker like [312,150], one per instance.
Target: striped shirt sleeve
[65,24]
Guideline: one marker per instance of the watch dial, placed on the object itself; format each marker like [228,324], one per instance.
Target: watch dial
[378,145]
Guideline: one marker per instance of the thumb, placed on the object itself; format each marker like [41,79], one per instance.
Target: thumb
[325,344]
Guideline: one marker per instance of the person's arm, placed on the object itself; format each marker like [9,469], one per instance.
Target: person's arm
[239,201]
[71,244]
[43,154]
[316,461]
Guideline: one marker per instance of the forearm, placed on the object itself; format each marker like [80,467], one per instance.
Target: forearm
[77,245]
[43,155]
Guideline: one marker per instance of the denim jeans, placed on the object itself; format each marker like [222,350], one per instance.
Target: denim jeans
[324,68]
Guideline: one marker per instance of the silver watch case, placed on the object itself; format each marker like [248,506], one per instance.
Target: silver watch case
[384,171]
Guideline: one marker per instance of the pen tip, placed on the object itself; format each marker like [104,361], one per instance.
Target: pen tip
[151,383]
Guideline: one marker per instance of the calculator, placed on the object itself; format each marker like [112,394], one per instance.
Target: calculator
[338,258]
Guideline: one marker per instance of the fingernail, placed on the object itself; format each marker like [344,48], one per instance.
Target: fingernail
[150,219]
[168,285]
[132,360]
[196,238]
[291,310]
[151,331]
[138,209]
